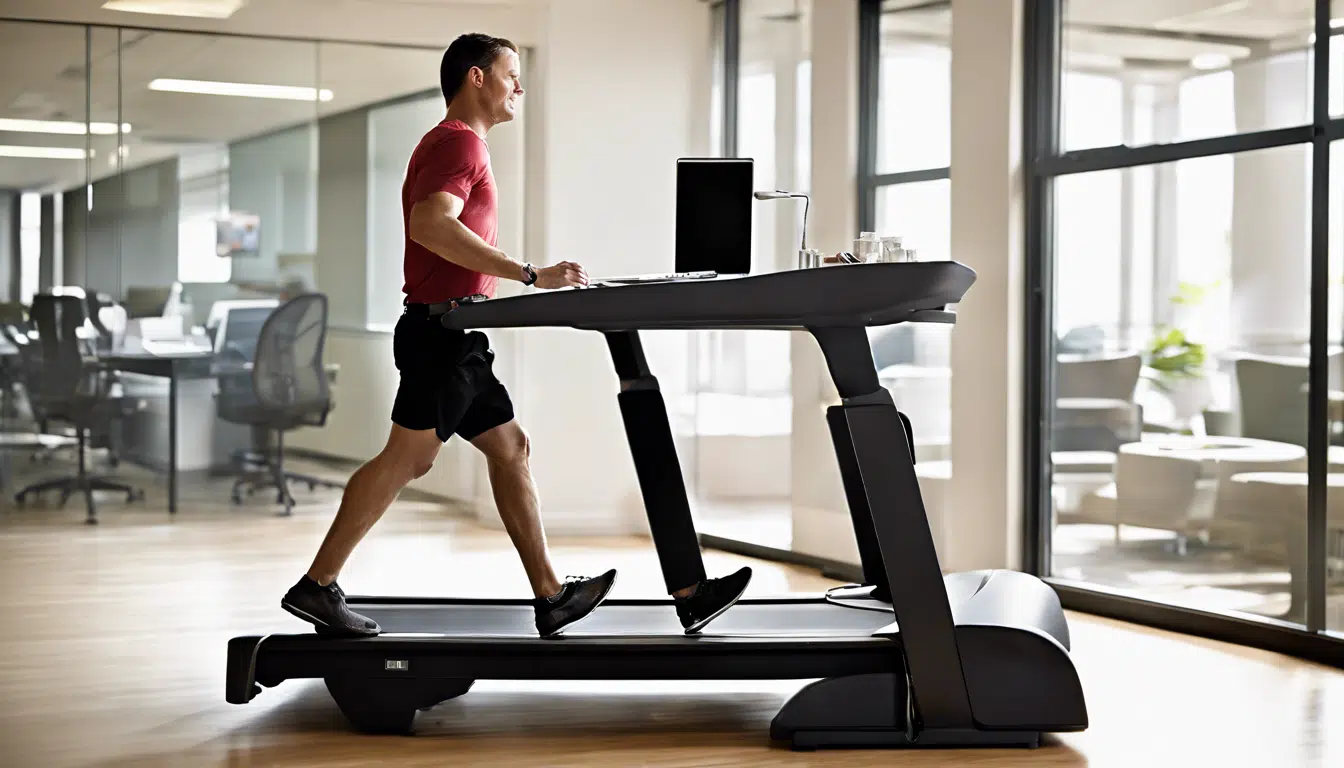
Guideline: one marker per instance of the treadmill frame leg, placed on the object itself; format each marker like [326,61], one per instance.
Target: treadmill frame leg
[875,451]
[654,450]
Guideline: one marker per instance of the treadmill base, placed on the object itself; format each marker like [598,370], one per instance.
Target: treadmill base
[388,705]
[872,711]
[893,739]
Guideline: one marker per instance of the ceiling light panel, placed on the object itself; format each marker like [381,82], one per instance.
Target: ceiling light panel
[43,153]
[67,127]
[252,90]
[201,9]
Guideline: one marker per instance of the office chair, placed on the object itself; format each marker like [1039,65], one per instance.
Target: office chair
[72,388]
[287,389]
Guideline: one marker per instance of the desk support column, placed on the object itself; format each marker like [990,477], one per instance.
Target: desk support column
[655,454]
[172,438]
[878,469]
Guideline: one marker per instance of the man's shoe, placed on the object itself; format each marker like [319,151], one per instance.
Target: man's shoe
[577,598]
[710,599]
[325,609]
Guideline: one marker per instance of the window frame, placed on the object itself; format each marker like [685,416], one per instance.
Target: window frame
[1042,30]
[870,89]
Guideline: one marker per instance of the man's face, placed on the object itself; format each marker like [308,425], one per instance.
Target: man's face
[502,89]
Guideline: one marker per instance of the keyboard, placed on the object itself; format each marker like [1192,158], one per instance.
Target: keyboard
[657,278]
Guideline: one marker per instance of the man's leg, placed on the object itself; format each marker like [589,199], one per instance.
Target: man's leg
[507,452]
[407,455]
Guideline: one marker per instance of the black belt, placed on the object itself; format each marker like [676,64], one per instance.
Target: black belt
[416,309]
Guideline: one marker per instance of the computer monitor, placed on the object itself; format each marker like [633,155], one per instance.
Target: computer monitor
[713,230]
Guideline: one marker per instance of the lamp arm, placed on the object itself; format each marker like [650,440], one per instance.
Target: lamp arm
[807,203]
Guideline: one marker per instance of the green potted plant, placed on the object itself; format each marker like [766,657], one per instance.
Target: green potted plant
[1171,358]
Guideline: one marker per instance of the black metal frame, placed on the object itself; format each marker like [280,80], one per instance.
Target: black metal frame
[870,88]
[1044,162]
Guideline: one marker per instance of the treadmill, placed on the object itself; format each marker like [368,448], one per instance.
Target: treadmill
[909,658]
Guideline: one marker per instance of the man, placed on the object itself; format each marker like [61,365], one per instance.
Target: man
[447,385]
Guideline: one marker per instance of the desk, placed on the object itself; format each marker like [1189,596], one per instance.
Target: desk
[189,365]
[192,364]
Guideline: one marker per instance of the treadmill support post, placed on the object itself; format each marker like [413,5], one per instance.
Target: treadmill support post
[876,456]
[654,451]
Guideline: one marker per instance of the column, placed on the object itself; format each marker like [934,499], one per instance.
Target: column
[984,505]
[1271,253]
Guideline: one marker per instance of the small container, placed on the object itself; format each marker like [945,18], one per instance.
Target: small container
[809,258]
[892,251]
[868,248]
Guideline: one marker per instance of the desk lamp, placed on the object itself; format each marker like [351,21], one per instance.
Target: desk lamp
[779,194]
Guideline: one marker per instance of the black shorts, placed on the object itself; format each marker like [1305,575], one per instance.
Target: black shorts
[447,382]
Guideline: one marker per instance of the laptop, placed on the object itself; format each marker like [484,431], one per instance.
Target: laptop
[713,221]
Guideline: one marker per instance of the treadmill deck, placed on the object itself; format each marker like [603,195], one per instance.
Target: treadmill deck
[808,620]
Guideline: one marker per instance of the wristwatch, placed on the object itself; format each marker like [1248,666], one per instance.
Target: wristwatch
[531,274]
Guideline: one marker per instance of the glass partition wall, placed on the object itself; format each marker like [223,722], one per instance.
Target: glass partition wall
[1185,316]
[170,190]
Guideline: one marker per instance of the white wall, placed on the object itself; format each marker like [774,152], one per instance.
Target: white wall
[984,500]
[614,118]
[619,109]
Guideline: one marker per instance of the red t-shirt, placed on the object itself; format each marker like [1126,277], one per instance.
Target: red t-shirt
[450,158]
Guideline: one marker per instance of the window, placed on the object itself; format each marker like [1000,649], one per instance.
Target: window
[30,245]
[1171,208]
[203,190]
[905,149]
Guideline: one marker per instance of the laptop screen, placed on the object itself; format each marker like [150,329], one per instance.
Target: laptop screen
[714,215]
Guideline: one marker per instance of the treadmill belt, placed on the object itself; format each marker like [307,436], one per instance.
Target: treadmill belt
[807,621]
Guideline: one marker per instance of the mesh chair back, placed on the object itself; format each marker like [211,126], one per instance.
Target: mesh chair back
[287,372]
[57,320]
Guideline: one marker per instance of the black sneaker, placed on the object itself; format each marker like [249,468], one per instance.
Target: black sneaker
[576,600]
[710,599]
[325,608]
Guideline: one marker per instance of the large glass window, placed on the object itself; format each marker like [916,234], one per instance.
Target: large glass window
[740,406]
[1186,356]
[179,186]
[1211,72]
[905,192]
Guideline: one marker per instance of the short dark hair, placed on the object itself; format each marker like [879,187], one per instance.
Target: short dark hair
[470,50]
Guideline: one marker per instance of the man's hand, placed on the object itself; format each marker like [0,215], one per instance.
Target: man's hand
[562,275]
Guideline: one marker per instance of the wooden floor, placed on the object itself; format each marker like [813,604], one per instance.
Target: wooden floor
[115,642]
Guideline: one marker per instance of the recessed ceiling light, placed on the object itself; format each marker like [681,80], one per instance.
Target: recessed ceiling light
[204,9]
[43,153]
[254,90]
[70,127]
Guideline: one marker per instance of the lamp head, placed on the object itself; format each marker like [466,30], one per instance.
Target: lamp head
[773,194]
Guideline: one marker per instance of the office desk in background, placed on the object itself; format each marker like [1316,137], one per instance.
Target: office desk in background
[197,365]
[176,367]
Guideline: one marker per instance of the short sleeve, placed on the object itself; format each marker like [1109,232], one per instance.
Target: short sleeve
[454,164]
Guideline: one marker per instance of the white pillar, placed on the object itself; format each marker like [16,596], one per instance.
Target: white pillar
[1271,210]
[984,517]
[821,525]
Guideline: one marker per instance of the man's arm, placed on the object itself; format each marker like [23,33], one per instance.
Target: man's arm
[434,224]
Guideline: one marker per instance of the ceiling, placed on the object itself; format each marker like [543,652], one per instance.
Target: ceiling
[42,72]
[411,22]
[42,77]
